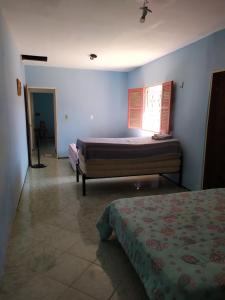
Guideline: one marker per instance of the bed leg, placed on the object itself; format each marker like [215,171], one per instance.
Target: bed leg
[83,185]
[77,172]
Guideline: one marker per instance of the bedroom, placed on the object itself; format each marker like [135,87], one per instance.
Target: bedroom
[89,89]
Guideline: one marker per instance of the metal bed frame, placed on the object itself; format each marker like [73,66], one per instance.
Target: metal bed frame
[84,176]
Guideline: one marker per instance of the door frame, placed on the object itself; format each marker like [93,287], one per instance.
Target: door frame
[206,126]
[31,90]
[27,124]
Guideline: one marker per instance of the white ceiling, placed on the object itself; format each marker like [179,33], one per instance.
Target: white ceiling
[67,31]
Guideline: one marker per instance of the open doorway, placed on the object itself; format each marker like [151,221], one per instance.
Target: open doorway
[42,122]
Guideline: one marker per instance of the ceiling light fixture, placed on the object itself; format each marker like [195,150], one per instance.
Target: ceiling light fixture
[145,10]
[93,56]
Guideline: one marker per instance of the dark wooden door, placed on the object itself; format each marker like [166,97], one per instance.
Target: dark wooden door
[214,173]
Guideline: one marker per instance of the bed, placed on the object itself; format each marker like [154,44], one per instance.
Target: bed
[175,242]
[117,157]
[73,156]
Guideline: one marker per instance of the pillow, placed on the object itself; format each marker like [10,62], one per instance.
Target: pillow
[161,136]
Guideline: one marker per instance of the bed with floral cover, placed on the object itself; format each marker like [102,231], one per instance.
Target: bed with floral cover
[175,242]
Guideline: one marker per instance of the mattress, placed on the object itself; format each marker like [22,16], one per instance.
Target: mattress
[175,242]
[120,148]
[73,155]
[128,167]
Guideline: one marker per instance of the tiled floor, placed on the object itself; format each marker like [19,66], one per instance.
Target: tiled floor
[54,252]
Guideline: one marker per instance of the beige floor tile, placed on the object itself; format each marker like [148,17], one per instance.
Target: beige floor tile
[112,259]
[54,233]
[26,261]
[42,258]
[67,269]
[66,221]
[39,288]
[18,248]
[96,283]
[83,248]
[14,278]
[72,294]
[54,236]
[128,293]
[20,225]
[131,288]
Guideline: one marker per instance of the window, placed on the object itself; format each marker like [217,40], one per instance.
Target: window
[150,108]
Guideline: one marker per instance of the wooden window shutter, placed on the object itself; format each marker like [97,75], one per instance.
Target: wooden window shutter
[135,107]
[167,90]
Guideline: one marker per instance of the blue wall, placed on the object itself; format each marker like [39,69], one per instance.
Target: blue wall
[192,65]
[82,94]
[43,104]
[13,150]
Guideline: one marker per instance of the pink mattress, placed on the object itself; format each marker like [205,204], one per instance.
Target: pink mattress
[73,155]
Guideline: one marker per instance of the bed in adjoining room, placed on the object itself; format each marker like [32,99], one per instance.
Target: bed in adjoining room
[117,157]
[175,242]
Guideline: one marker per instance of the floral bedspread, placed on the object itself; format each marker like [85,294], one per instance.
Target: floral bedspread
[175,242]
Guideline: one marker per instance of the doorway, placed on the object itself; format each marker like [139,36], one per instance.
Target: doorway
[42,122]
[214,170]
